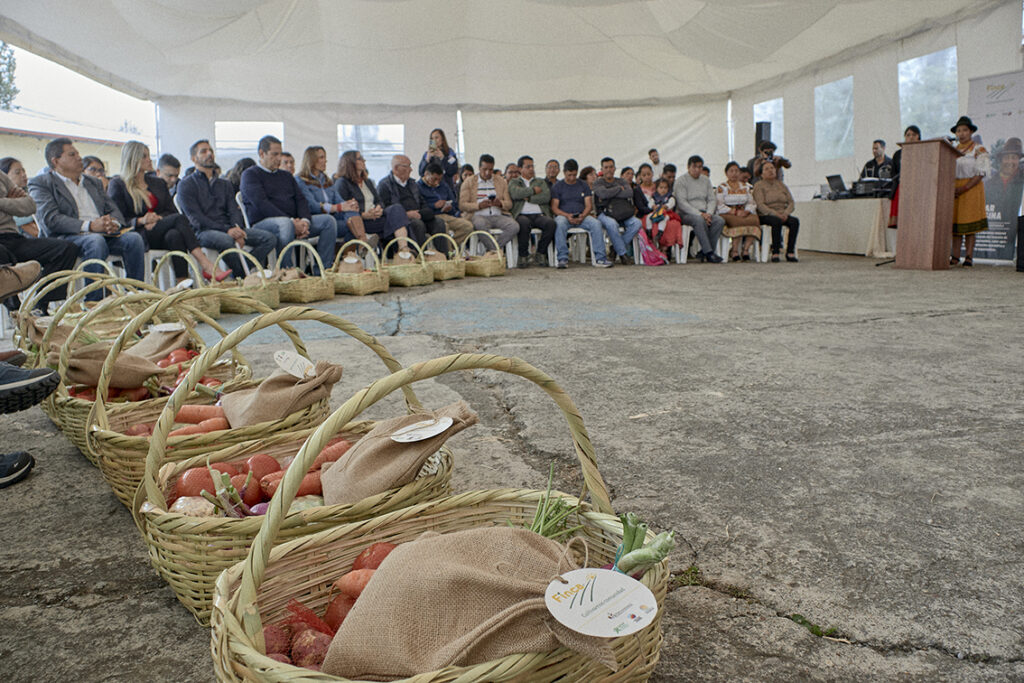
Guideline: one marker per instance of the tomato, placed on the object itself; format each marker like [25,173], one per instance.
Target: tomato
[192,353]
[163,363]
[210,381]
[193,481]
[225,467]
[137,394]
[178,356]
[373,556]
[262,464]
[253,494]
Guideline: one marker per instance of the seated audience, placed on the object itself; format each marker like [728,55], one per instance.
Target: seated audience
[208,202]
[654,160]
[169,169]
[484,200]
[879,166]
[572,204]
[274,202]
[745,176]
[697,206]
[74,207]
[16,171]
[288,162]
[663,223]
[143,199]
[628,175]
[766,152]
[669,174]
[466,171]
[398,188]
[736,205]
[50,253]
[531,208]
[97,169]
[551,171]
[234,175]
[320,194]
[588,174]
[442,199]
[352,182]
[511,171]
[615,208]
[439,151]
[775,206]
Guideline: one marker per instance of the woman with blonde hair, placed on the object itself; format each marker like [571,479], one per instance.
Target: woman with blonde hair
[320,194]
[145,202]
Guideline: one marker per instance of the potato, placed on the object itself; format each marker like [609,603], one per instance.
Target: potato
[276,640]
[309,648]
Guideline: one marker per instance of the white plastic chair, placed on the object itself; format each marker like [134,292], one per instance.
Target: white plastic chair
[579,243]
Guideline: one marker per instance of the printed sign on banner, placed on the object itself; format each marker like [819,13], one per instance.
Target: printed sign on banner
[996,105]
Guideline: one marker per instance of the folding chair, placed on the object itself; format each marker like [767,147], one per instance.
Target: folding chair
[535,234]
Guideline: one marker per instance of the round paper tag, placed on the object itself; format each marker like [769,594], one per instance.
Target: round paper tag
[600,602]
[294,364]
[422,430]
[184,284]
[268,273]
[166,327]
[351,259]
[404,254]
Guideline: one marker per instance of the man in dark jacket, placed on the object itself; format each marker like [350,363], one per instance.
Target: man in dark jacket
[397,188]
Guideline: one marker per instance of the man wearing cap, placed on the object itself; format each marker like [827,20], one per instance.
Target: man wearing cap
[766,152]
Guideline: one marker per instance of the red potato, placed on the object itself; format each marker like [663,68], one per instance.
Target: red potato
[338,610]
[373,556]
[136,394]
[353,583]
[139,430]
[261,465]
[278,657]
[195,480]
[276,639]
[252,494]
[178,356]
[309,648]
[164,363]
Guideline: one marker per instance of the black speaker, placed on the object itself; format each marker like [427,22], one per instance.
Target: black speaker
[762,131]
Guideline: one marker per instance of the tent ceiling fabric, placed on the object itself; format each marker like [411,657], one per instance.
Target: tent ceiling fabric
[470,53]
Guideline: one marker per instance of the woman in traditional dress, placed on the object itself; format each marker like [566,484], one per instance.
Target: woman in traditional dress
[737,206]
[969,217]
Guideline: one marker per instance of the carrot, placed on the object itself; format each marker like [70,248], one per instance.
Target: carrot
[212,425]
[331,453]
[353,583]
[190,414]
[310,485]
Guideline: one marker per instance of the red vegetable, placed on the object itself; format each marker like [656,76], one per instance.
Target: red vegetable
[331,453]
[310,485]
[225,467]
[262,464]
[252,494]
[308,617]
[192,414]
[178,356]
[139,430]
[373,556]
[206,426]
[164,363]
[309,648]
[136,394]
[353,583]
[277,639]
[338,610]
[195,480]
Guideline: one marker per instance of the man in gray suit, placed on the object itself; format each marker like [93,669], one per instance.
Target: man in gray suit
[74,207]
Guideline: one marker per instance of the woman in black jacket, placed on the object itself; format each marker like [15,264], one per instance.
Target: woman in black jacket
[145,202]
[352,182]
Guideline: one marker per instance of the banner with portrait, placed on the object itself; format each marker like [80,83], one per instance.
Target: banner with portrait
[996,105]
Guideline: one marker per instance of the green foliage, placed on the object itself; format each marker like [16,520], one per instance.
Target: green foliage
[7,90]
[812,627]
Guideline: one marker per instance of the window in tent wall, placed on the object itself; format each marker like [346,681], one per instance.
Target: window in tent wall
[771,111]
[928,93]
[378,143]
[233,140]
[833,120]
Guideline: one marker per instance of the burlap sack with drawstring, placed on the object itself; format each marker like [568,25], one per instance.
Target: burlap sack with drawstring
[350,266]
[86,362]
[433,255]
[156,345]
[377,463]
[457,599]
[397,259]
[255,279]
[279,395]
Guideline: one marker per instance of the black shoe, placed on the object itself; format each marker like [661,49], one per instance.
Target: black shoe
[21,389]
[541,260]
[525,261]
[714,258]
[625,260]
[14,467]
[792,258]
[16,357]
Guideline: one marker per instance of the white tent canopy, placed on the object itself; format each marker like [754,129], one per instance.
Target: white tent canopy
[467,53]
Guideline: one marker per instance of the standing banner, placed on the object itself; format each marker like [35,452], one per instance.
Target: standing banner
[996,105]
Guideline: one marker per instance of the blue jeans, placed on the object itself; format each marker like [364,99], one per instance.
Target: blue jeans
[591,225]
[321,225]
[261,241]
[620,242]
[129,246]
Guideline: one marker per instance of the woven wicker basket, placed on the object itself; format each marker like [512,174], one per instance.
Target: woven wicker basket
[454,266]
[307,289]
[190,552]
[492,263]
[359,284]
[415,274]
[210,305]
[74,416]
[257,590]
[268,293]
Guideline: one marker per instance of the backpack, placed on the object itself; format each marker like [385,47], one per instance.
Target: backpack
[649,255]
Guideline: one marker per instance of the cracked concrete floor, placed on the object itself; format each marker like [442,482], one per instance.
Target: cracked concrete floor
[829,439]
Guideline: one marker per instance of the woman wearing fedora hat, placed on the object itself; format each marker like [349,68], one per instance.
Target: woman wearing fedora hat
[969,217]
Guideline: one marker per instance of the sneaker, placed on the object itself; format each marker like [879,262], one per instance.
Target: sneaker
[625,260]
[16,358]
[21,389]
[541,260]
[17,278]
[603,263]
[562,265]
[14,467]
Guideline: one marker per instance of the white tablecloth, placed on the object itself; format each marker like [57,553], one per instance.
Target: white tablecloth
[845,226]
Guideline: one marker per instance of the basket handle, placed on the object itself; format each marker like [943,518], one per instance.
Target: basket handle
[252,260]
[158,442]
[97,262]
[44,286]
[198,280]
[410,241]
[445,235]
[341,252]
[465,242]
[307,246]
[259,553]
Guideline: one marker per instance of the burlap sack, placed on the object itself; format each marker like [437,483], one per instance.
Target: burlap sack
[377,463]
[279,395]
[288,274]
[350,264]
[403,258]
[156,345]
[86,362]
[37,329]
[255,280]
[432,255]
[457,599]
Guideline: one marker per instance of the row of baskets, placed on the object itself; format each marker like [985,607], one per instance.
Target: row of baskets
[239,573]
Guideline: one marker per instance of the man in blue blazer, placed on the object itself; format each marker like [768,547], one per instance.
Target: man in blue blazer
[74,207]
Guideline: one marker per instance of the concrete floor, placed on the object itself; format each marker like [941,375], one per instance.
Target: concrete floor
[828,439]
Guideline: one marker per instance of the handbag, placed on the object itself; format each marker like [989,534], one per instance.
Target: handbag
[620,208]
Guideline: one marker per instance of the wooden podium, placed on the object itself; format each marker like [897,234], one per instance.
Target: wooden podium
[927,181]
